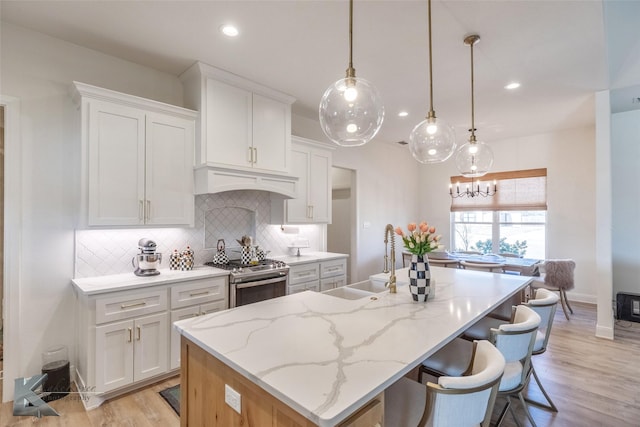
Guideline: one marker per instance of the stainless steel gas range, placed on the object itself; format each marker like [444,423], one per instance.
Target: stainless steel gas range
[252,283]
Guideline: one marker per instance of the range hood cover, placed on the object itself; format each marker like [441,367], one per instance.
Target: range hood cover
[214,179]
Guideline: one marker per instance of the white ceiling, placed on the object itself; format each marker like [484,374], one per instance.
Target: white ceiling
[555,48]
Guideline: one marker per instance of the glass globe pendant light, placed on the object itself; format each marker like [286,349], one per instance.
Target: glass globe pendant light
[351,111]
[474,158]
[432,140]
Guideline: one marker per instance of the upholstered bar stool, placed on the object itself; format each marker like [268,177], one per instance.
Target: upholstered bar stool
[545,304]
[558,277]
[455,401]
[514,340]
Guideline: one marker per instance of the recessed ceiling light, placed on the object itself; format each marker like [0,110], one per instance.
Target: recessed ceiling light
[514,85]
[403,114]
[229,30]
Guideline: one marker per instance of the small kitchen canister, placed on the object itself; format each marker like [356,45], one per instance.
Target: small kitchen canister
[186,259]
[174,260]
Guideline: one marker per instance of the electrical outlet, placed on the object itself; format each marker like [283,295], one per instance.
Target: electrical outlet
[636,307]
[232,398]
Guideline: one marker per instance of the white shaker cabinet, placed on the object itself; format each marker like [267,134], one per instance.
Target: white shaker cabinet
[130,351]
[137,158]
[244,126]
[312,164]
[318,276]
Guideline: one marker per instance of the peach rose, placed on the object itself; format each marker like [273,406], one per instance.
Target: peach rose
[399,231]
[411,226]
[424,227]
[432,230]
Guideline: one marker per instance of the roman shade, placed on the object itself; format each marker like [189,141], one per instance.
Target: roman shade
[524,190]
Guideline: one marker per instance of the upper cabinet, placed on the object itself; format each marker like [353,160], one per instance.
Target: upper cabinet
[312,164]
[137,160]
[244,136]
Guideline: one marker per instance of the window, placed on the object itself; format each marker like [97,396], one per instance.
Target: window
[513,220]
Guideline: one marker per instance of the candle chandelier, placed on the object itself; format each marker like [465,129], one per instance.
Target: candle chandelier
[473,190]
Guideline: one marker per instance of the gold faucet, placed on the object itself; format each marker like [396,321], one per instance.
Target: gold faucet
[392,279]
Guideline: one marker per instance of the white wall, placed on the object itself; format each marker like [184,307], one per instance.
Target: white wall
[625,154]
[38,70]
[569,157]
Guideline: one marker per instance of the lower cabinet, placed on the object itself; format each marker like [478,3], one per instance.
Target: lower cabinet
[318,276]
[187,313]
[130,351]
[126,337]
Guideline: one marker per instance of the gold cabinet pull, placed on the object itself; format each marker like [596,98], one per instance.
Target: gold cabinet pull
[135,304]
[255,159]
[195,294]
[148,211]
[251,155]
[141,210]
[130,335]
[139,332]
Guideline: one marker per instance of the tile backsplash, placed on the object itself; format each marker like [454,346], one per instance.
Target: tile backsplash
[227,216]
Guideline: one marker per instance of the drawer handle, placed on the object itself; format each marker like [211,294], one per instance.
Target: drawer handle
[334,269]
[308,273]
[195,294]
[135,304]
[130,335]
[139,333]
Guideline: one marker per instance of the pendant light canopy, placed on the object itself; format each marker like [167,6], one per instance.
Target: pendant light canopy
[432,140]
[351,111]
[474,158]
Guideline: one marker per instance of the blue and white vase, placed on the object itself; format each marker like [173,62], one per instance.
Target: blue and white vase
[419,278]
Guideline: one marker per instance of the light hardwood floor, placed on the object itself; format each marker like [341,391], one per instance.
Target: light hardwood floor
[594,382]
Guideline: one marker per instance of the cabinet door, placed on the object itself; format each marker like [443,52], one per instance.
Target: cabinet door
[150,346]
[114,355]
[271,134]
[169,196]
[116,164]
[298,209]
[320,186]
[228,125]
[184,313]
[304,273]
[332,282]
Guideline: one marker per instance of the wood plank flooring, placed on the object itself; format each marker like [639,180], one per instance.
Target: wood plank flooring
[594,382]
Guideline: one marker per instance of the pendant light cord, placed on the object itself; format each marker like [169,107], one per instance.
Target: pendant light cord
[472,40]
[431,112]
[351,72]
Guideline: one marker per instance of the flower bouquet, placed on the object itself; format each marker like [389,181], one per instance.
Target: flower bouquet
[420,240]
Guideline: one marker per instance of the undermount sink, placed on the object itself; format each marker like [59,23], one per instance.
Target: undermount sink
[369,286]
[357,290]
[346,292]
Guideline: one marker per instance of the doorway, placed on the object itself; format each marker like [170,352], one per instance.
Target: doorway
[342,232]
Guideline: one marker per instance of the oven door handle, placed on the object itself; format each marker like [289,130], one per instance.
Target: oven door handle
[260,282]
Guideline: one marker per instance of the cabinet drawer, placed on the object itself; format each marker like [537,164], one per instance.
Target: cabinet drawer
[130,304]
[304,273]
[332,282]
[311,286]
[336,267]
[199,291]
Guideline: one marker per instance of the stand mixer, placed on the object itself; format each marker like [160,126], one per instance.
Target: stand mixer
[146,263]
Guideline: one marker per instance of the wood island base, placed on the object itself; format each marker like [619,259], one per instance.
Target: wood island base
[202,399]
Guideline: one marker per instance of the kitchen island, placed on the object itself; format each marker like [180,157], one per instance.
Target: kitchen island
[315,359]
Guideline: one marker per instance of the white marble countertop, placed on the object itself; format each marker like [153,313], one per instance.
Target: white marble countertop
[325,356]
[307,257]
[126,281]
